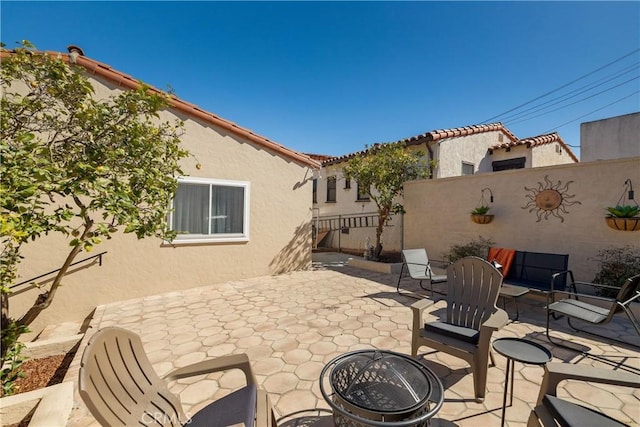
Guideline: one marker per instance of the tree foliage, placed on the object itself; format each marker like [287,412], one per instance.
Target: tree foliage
[617,264]
[383,170]
[476,247]
[76,164]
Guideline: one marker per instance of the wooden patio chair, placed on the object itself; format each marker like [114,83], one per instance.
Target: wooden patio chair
[471,319]
[551,411]
[417,265]
[120,387]
[574,306]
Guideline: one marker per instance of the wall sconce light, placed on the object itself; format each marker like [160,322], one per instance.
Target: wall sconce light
[198,164]
[490,194]
[629,188]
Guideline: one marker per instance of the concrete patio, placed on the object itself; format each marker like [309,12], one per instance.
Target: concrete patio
[293,324]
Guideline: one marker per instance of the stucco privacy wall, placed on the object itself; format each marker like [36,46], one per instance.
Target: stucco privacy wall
[615,137]
[437,211]
[280,232]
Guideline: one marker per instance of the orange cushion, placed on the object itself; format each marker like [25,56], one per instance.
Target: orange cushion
[502,256]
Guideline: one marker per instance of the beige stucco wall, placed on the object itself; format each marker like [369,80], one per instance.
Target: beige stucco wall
[438,211]
[611,138]
[280,238]
[452,152]
[548,155]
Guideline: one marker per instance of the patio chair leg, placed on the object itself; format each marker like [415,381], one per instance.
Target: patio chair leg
[430,283]
[400,278]
[588,333]
[557,344]
[632,318]
[584,331]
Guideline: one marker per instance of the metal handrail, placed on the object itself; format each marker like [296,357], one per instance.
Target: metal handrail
[341,221]
[99,256]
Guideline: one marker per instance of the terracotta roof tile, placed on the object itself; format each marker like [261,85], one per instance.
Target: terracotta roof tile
[319,157]
[125,80]
[434,135]
[535,141]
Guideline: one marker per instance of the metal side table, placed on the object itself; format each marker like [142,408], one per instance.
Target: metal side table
[523,351]
[512,292]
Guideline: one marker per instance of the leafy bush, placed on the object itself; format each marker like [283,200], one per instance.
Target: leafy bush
[478,247]
[616,266]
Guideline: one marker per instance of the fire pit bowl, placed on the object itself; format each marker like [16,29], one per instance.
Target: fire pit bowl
[380,388]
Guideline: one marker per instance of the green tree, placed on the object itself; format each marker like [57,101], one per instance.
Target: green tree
[77,165]
[384,169]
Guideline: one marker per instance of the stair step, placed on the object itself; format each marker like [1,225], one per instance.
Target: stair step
[58,331]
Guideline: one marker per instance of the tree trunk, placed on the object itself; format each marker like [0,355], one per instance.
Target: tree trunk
[45,299]
[5,321]
[382,220]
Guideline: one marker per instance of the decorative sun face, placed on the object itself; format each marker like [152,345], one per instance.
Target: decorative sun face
[549,200]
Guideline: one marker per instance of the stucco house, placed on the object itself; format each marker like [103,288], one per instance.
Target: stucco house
[344,216]
[532,152]
[243,233]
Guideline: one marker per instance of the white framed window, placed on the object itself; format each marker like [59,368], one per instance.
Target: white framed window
[467,168]
[210,210]
[331,189]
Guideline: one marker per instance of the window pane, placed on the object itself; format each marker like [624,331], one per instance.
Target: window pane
[331,189]
[227,209]
[315,191]
[363,193]
[191,209]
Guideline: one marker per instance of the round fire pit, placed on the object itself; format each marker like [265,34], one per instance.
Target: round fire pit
[380,388]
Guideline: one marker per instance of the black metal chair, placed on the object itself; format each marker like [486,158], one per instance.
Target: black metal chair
[572,305]
[417,265]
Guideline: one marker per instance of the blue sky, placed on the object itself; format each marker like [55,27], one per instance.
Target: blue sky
[332,77]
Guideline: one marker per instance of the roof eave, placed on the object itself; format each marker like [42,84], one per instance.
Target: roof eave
[120,79]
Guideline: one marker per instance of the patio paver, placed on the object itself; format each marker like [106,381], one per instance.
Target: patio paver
[291,325]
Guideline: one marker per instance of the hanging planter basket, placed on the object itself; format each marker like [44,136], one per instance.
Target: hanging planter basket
[482,219]
[623,224]
[623,216]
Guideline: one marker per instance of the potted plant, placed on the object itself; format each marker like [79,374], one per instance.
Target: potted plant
[480,215]
[624,217]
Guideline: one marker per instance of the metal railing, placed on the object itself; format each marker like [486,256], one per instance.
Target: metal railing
[342,223]
[338,222]
[99,256]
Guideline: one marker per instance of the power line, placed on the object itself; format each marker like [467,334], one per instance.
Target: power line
[571,94]
[591,112]
[561,87]
[576,102]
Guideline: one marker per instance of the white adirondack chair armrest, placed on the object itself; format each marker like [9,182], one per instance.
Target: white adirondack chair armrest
[421,305]
[496,321]
[224,363]
[555,373]
[418,309]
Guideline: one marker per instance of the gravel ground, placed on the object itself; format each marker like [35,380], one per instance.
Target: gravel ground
[43,372]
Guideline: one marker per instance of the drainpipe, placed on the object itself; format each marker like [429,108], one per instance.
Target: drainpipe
[430,151]
[317,217]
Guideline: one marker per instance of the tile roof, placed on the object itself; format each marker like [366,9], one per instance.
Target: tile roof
[434,135]
[535,141]
[124,80]
[319,157]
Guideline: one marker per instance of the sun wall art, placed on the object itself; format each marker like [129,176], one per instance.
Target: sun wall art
[549,199]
